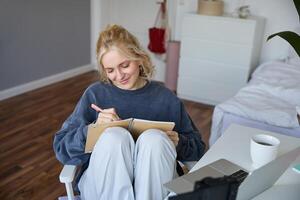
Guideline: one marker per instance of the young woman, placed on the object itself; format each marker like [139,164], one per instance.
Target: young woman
[119,167]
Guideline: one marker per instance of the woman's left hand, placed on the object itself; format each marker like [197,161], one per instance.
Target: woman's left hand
[173,135]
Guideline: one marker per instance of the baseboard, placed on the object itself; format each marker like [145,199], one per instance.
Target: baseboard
[14,91]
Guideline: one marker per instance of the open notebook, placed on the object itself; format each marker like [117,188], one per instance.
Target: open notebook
[134,126]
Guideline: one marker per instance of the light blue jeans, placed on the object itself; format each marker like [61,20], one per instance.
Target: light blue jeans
[119,168]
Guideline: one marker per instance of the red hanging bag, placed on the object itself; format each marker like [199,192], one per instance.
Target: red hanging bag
[157,36]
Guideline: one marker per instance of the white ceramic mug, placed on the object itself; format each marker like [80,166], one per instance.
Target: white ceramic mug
[263,149]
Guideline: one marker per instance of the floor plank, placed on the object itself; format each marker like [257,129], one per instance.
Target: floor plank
[28,122]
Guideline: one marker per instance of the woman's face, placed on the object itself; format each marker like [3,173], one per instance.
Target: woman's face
[121,71]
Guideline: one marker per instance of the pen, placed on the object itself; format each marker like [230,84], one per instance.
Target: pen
[96,108]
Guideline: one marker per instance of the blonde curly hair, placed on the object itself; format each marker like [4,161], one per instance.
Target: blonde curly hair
[115,37]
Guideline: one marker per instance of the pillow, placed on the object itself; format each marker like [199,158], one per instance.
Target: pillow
[294,61]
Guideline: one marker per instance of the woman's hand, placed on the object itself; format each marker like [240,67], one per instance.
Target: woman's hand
[173,135]
[107,115]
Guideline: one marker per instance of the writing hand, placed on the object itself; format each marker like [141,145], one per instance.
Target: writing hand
[107,115]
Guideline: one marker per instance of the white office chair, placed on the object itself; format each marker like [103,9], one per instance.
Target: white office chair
[68,172]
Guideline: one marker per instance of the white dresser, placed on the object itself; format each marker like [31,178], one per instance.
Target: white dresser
[217,56]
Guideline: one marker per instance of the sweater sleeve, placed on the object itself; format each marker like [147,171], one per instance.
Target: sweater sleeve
[190,146]
[69,141]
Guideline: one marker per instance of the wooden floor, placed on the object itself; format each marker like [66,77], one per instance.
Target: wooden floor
[28,122]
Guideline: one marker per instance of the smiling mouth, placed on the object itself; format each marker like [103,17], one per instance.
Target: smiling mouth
[124,81]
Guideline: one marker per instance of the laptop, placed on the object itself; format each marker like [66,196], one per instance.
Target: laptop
[252,183]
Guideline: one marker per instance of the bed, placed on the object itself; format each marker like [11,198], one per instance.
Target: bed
[270,101]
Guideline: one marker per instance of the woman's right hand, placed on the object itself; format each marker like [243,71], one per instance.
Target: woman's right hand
[107,115]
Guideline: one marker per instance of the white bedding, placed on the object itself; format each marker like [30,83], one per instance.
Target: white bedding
[272,96]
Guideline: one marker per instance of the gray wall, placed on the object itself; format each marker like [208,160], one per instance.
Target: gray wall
[39,38]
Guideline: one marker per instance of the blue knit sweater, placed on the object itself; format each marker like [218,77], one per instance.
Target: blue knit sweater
[152,102]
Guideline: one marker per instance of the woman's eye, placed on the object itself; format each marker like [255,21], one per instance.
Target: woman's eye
[125,65]
[109,70]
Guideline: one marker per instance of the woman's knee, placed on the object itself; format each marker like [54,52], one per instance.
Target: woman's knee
[114,136]
[154,138]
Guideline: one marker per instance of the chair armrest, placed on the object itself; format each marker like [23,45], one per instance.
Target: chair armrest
[67,173]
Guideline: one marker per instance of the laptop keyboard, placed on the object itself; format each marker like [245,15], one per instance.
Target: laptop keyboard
[239,175]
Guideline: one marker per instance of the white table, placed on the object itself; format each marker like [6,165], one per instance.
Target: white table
[234,145]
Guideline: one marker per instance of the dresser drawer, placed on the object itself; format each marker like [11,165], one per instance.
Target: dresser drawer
[221,29]
[233,54]
[204,91]
[214,72]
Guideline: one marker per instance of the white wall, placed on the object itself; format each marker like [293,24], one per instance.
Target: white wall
[138,15]
[280,15]
[99,17]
